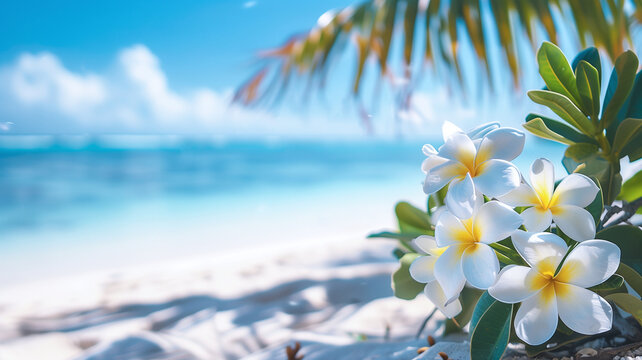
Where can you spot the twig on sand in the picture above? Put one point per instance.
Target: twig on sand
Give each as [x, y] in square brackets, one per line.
[292, 351]
[423, 324]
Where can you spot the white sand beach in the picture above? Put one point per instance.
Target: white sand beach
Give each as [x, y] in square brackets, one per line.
[333, 297]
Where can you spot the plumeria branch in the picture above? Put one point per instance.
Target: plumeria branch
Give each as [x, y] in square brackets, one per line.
[628, 209]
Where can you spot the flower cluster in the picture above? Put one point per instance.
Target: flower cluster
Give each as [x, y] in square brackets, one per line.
[484, 191]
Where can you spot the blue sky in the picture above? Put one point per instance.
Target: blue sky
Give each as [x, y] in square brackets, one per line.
[170, 67]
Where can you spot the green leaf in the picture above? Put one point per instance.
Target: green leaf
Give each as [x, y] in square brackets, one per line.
[626, 132]
[629, 239]
[620, 85]
[633, 150]
[490, 330]
[403, 285]
[628, 303]
[609, 177]
[632, 189]
[581, 152]
[635, 99]
[562, 129]
[557, 72]
[537, 127]
[484, 302]
[564, 108]
[588, 86]
[394, 235]
[614, 282]
[412, 219]
[592, 56]
[631, 277]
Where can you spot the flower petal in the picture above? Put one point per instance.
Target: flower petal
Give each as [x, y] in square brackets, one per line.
[425, 243]
[432, 162]
[575, 189]
[543, 180]
[574, 221]
[497, 177]
[480, 265]
[537, 219]
[461, 197]
[516, 283]
[429, 150]
[590, 263]
[582, 310]
[495, 221]
[481, 130]
[436, 295]
[460, 148]
[422, 269]
[536, 320]
[540, 249]
[449, 230]
[449, 129]
[440, 175]
[523, 195]
[503, 143]
[448, 271]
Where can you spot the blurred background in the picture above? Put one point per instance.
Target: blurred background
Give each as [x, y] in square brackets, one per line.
[121, 142]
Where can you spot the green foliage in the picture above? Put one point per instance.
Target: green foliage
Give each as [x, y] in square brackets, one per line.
[403, 285]
[557, 72]
[629, 239]
[591, 56]
[588, 86]
[490, 328]
[631, 277]
[412, 219]
[628, 303]
[632, 189]
[626, 132]
[595, 144]
[612, 283]
[564, 108]
[619, 88]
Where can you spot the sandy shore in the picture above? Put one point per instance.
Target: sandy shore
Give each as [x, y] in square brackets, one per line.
[330, 296]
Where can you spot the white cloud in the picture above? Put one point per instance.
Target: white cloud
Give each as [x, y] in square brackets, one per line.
[41, 79]
[135, 94]
[143, 70]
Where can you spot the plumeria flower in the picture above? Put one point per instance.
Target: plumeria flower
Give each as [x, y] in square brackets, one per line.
[423, 271]
[473, 164]
[468, 256]
[564, 204]
[545, 296]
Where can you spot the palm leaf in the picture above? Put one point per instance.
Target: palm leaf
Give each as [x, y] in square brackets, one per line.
[370, 28]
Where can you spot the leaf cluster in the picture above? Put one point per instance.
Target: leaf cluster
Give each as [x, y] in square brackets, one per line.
[598, 132]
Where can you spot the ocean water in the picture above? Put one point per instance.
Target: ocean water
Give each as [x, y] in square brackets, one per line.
[70, 204]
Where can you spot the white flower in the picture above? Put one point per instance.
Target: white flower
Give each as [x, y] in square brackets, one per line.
[564, 205]
[468, 256]
[473, 163]
[422, 270]
[545, 295]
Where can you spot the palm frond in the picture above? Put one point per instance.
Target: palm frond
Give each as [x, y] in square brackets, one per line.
[447, 26]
